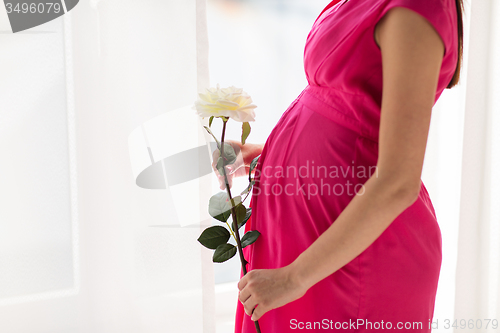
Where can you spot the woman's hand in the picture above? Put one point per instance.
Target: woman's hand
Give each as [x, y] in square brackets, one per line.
[269, 289]
[236, 169]
[244, 156]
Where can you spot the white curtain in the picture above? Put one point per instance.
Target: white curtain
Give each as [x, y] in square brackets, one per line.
[478, 264]
[82, 247]
[461, 171]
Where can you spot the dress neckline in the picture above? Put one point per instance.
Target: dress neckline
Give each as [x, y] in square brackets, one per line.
[333, 3]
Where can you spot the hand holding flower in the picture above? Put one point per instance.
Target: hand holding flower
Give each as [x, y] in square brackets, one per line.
[262, 290]
[236, 169]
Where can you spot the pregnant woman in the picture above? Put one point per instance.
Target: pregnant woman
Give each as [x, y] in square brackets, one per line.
[349, 237]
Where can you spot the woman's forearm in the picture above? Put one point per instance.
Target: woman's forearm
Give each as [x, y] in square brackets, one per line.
[252, 150]
[356, 228]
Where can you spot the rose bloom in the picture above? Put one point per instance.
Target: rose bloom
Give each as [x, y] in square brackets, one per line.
[229, 102]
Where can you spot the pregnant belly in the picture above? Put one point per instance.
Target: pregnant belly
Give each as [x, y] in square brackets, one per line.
[311, 168]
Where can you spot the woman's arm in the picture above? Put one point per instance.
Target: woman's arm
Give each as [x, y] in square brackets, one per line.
[412, 54]
[249, 152]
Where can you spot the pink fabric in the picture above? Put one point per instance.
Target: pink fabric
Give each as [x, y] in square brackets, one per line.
[334, 125]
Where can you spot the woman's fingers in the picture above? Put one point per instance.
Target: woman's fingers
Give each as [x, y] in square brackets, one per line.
[258, 312]
[244, 280]
[243, 295]
[249, 305]
[222, 181]
[230, 168]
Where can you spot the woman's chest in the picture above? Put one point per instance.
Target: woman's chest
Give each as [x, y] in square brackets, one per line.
[336, 34]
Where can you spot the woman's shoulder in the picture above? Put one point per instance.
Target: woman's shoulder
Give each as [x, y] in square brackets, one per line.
[428, 8]
[441, 14]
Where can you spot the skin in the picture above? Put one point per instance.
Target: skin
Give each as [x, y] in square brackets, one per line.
[244, 156]
[412, 53]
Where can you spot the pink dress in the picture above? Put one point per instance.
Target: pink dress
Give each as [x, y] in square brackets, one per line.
[304, 181]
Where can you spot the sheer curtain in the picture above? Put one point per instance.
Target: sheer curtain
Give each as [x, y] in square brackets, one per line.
[478, 264]
[462, 168]
[78, 252]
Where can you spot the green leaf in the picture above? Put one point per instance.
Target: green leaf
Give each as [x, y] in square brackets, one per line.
[249, 187]
[210, 121]
[214, 236]
[240, 214]
[254, 163]
[248, 213]
[219, 166]
[219, 206]
[230, 156]
[247, 216]
[252, 166]
[210, 132]
[229, 153]
[237, 200]
[249, 238]
[245, 131]
[224, 252]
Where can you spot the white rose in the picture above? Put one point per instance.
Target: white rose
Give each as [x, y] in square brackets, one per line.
[229, 102]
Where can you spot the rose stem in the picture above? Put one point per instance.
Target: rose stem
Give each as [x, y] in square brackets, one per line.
[233, 212]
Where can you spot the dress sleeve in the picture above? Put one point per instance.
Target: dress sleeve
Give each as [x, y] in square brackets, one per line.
[439, 13]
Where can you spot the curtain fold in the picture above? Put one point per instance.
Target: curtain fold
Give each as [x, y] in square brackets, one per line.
[478, 261]
[104, 69]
